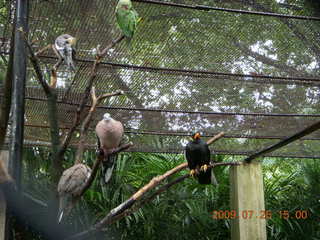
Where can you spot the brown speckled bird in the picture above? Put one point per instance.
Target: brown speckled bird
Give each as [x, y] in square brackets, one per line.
[109, 134]
[70, 184]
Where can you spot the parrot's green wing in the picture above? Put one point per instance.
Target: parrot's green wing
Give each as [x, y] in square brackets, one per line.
[133, 21]
[127, 21]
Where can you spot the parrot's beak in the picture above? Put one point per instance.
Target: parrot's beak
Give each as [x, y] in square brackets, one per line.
[72, 41]
[196, 136]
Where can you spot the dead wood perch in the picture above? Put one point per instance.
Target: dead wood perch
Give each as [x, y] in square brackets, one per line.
[164, 188]
[215, 138]
[118, 211]
[97, 164]
[86, 123]
[84, 99]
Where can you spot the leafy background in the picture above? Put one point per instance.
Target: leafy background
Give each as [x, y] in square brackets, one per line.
[185, 210]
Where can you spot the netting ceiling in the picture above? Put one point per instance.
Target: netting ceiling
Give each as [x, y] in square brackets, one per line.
[255, 77]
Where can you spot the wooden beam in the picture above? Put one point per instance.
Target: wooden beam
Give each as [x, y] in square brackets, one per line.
[247, 200]
[4, 156]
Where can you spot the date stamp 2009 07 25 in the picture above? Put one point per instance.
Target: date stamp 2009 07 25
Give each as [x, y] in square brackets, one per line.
[263, 214]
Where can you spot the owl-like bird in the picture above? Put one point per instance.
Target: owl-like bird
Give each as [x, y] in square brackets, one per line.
[64, 45]
[109, 135]
[127, 18]
[70, 185]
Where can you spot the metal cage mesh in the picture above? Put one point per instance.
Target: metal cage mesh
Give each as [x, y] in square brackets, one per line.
[253, 76]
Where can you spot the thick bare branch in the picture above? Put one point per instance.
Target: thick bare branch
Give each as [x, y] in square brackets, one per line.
[97, 164]
[86, 94]
[164, 188]
[120, 148]
[86, 123]
[83, 102]
[121, 211]
[111, 45]
[43, 49]
[35, 63]
[215, 138]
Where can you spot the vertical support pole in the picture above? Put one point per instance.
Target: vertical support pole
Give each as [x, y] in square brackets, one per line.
[17, 102]
[19, 79]
[4, 156]
[247, 199]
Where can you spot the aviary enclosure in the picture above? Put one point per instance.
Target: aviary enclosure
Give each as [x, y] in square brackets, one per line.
[244, 74]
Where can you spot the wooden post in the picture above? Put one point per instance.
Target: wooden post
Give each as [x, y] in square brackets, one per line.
[247, 199]
[4, 156]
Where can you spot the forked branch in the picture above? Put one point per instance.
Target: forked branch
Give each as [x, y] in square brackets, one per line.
[84, 100]
[120, 211]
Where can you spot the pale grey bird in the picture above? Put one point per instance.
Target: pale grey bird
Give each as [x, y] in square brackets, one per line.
[70, 185]
[65, 47]
[109, 134]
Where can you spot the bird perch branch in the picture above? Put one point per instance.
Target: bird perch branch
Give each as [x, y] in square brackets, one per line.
[86, 123]
[123, 209]
[120, 209]
[84, 100]
[164, 188]
[97, 164]
[35, 63]
[215, 138]
[104, 52]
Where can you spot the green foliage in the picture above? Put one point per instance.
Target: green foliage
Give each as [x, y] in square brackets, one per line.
[292, 185]
[185, 210]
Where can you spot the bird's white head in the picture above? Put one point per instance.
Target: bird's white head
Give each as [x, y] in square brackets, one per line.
[107, 117]
[125, 3]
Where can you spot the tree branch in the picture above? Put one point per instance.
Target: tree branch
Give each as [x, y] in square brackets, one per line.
[164, 188]
[111, 45]
[121, 211]
[215, 138]
[97, 163]
[118, 211]
[86, 123]
[36, 66]
[86, 94]
[51, 94]
[80, 108]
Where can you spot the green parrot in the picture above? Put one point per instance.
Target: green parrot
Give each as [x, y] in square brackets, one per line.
[127, 18]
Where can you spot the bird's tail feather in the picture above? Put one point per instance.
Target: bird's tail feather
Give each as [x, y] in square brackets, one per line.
[70, 63]
[214, 179]
[205, 177]
[108, 166]
[63, 203]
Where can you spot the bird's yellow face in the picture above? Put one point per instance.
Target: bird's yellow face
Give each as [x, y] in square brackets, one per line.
[72, 41]
[196, 136]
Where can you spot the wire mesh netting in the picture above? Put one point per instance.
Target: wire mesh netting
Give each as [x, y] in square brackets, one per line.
[253, 76]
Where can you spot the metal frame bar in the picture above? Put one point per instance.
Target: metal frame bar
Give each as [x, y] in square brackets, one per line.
[284, 142]
[18, 100]
[188, 112]
[189, 71]
[184, 134]
[209, 8]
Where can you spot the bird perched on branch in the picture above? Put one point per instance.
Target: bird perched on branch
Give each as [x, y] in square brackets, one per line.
[70, 185]
[109, 135]
[197, 154]
[127, 18]
[64, 44]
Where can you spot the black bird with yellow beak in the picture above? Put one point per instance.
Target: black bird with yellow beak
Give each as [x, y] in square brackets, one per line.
[197, 154]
